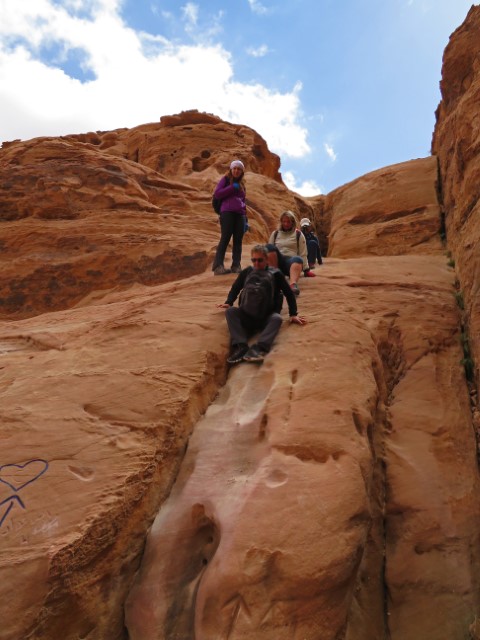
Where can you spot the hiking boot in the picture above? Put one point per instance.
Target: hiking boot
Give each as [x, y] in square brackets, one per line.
[237, 354]
[236, 269]
[295, 289]
[254, 354]
[221, 271]
[309, 274]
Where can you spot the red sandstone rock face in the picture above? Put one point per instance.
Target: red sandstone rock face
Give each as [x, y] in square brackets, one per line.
[192, 145]
[391, 211]
[84, 213]
[291, 487]
[456, 142]
[330, 493]
[298, 505]
[75, 220]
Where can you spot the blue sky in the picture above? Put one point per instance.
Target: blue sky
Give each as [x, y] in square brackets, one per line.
[337, 88]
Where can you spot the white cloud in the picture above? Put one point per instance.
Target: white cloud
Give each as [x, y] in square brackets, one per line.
[190, 16]
[271, 114]
[307, 188]
[190, 13]
[258, 52]
[330, 151]
[136, 77]
[258, 7]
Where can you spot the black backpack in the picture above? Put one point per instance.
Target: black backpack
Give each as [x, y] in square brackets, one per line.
[216, 202]
[257, 296]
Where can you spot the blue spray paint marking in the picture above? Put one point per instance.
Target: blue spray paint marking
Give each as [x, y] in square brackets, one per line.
[35, 473]
[19, 475]
[12, 502]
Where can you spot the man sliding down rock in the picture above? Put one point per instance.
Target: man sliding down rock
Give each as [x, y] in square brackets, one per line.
[260, 289]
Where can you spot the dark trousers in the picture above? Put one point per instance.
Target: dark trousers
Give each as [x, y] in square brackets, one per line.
[231, 224]
[313, 252]
[242, 327]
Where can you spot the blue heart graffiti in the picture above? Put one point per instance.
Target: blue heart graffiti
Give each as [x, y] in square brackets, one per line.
[17, 476]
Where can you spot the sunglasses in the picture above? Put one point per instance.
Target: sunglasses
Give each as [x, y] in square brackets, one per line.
[258, 259]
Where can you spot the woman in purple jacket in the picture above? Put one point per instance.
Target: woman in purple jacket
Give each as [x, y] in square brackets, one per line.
[231, 191]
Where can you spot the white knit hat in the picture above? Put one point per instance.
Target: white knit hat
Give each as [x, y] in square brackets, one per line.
[305, 222]
[237, 163]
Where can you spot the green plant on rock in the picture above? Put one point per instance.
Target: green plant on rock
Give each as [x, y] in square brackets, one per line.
[469, 367]
[467, 360]
[459, 300]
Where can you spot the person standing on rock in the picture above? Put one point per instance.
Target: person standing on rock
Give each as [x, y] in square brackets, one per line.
[259, 288]
[231, 191]
[313, 245]
[288, 250]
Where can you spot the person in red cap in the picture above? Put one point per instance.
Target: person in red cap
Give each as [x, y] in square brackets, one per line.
[313, 246]
[231, 191]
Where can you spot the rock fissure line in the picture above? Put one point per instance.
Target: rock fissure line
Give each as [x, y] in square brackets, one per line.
[390, 353]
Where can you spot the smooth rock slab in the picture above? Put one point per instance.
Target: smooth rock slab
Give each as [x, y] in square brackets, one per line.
[286, 519]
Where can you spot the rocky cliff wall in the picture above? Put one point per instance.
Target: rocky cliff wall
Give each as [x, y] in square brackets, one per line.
[456, 142]
[392, 211]
[90, 212]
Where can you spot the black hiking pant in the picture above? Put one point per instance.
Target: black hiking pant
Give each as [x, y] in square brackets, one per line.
[232, 223]
[242, 327]
[313, 251]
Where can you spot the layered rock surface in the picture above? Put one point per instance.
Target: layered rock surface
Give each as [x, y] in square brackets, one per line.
[147, 492]
[391, 211]
[343, 467]
[342, 470]
[456, 142]
[86, 213]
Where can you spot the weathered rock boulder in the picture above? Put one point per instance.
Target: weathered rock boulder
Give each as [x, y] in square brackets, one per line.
[391, 211]
[77, 215]
[456, 142]
[75, 220]
[190, 144]
[197, 148]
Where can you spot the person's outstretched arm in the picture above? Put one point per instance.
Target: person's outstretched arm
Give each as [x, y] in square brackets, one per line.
[234, 292]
